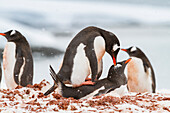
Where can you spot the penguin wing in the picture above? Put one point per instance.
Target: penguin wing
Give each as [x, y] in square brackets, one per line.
[18, 64]
[146, 66]
[100, 69]
[104, 91]
[91, 55]
[153, 81]
[148, 69]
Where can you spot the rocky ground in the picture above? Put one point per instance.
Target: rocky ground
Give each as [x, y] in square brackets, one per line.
[31, 99]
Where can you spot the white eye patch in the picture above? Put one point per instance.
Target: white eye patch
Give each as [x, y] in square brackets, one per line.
[115, 47]
[133, 49]
[13, 32]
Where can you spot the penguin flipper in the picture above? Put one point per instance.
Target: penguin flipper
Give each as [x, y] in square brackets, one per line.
[153, 81]
[148, 66]
[107, 90]
[100, 70]
[104, 91]
[90, 53]
[22, 69]
[18, 65]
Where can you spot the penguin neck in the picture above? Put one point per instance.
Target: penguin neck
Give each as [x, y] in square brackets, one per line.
[110, 41]
[21, 40]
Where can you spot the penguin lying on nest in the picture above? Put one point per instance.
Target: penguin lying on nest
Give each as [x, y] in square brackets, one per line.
[115, 79]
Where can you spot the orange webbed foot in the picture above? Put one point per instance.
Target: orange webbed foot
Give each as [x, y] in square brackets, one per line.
[85, 83]
[88, 83]
[88, 79]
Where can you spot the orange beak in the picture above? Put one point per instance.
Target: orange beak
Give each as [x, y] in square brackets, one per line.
[128, 60]
[2, 34]
[114, 61]
[124, 50]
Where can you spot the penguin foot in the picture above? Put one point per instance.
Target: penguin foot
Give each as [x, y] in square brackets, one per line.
[88, 79]
[88, 83]
[85, 83]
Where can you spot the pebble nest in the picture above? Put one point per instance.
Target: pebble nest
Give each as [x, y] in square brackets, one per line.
[30, 99]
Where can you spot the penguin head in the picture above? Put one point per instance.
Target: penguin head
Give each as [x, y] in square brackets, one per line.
[112, 46]
[134, 52]
[117, 71]
[12, 35]
[115, 47]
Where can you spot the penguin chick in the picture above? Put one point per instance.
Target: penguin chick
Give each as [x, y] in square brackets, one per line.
[141, 77]
[17, 60]
[115, 79]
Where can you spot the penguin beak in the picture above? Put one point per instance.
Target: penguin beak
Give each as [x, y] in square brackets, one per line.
[114, 60]
[2, 34]
[114, 56]
[128, 60]
[124, 50]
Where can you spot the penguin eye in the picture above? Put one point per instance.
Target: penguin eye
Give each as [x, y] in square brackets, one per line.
[13, 32]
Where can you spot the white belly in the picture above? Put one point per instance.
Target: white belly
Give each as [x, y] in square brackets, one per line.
[81, 66]
[138, 80]
[9, 64]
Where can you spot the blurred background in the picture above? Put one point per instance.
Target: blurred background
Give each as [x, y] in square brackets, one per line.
[49, 26]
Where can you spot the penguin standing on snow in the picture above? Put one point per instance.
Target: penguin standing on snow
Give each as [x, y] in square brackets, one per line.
[115, 79]
[84, 54]
[17, 60]
[141, 77]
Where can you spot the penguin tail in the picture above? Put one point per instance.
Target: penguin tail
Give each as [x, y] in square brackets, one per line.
[56, 79]
[50, 90]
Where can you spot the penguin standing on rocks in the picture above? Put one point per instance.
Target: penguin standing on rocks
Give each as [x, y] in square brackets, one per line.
[84, 54]
[141, 77]
[115, 80]
[17, 60]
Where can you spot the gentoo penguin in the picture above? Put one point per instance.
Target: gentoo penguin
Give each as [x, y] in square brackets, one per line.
[17, 60]
[115, 79]
[84, 54]
[141, 77]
